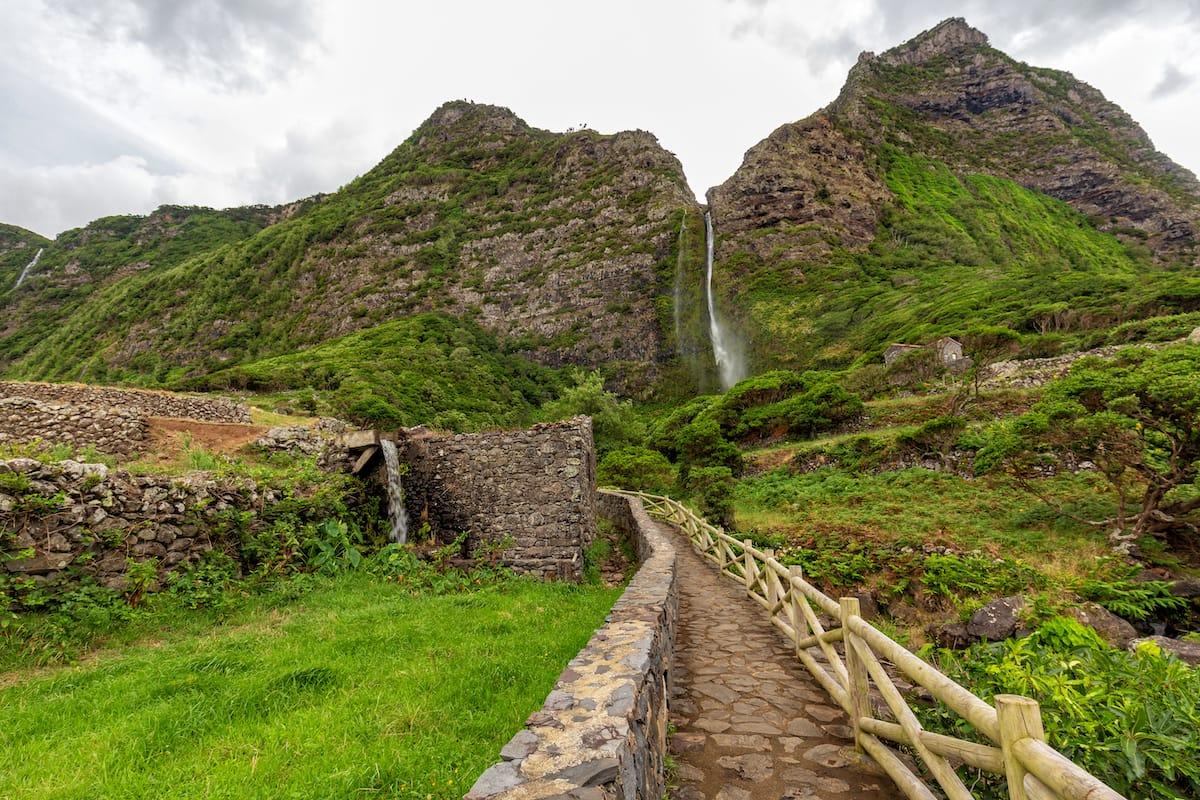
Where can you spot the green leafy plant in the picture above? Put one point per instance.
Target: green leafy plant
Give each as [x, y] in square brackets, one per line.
[333, 547]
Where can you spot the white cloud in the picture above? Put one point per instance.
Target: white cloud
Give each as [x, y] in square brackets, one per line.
[113, 106]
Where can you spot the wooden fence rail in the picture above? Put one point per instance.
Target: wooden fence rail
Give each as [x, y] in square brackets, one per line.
[815, 622]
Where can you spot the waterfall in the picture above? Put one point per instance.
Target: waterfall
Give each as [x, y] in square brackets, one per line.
[395, 492]
[29, 266]
[680, 277]
[726, 348]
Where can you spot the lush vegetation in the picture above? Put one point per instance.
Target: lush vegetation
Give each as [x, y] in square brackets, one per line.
[425, 369]
[390, 679]
[952, 253]
[1135, 419]
[1131, 719]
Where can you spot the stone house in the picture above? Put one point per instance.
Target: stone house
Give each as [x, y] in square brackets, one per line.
[949, 352]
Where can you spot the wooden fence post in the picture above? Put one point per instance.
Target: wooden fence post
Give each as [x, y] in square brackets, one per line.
[1019, 718]
[799, 621]
[858, 688]
[751, 567]
[771, 591]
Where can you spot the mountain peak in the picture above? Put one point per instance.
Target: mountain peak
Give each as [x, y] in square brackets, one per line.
[946, 37]
[480, 117]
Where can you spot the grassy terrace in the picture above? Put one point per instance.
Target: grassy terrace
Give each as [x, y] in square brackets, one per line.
[346, 687]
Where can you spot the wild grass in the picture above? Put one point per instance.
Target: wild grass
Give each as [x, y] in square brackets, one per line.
[871, 522]
[360, 688]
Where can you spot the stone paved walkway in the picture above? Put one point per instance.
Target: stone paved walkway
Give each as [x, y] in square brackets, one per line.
[751, 723]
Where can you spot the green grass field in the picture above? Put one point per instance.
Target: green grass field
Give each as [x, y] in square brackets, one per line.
[358, 689]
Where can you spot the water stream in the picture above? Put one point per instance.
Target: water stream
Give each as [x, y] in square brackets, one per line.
[29, 266]
[726, 348]
[395, 493]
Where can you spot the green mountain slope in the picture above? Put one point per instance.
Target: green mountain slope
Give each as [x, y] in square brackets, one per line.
[427, 368]
[559, 242]
[950, 186]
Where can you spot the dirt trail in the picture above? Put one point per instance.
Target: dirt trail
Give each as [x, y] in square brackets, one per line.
[170, 439]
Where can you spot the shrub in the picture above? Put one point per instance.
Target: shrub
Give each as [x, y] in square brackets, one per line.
[1128, 718]
[637, 468]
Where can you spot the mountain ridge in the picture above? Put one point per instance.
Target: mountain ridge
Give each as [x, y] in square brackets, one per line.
[946, 185]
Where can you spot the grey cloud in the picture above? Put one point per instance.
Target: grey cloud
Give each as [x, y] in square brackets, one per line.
[240, 44]
[44, 125]
[1043, 27]
[1173, 81]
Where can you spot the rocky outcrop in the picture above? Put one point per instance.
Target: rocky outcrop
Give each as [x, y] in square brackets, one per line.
[144, 402]
[807, 188]
[985, 112]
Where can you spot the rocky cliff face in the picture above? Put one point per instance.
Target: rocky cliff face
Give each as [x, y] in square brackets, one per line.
[945, 152]
[559, 242]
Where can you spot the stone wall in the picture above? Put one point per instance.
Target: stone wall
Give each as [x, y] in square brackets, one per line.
[115, 431]
[602, 732]
[537, 486]
[89, 519]
[149, 403]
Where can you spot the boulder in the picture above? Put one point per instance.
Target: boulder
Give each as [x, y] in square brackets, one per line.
[1188, 652]
[952, 635]
[997, 620]
[1114, 630]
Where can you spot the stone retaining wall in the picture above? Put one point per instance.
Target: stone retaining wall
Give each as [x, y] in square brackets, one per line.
[115, 431]
[149, 403]
[602, 733]
[90, 519]
[537, 486]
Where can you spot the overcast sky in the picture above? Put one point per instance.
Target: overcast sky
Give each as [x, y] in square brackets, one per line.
[118, 106]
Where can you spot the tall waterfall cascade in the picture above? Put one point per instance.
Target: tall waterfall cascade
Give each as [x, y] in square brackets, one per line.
[29, 266]
[726, 349]
[395, 492]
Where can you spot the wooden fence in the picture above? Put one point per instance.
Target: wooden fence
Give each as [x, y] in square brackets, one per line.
[1018, 751]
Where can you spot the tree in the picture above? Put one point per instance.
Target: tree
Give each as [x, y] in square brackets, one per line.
[615, 422]
[1136, 418]
[986, 344]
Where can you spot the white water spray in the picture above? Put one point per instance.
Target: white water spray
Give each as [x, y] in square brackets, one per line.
[395, 493]
[29, 266]
[726, 348]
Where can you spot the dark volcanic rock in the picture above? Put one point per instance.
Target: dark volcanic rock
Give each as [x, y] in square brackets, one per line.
[1184, 651]
[997, 620]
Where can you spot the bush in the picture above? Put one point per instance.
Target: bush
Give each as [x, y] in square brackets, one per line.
[1130, 719]
[637, 468]
[713, 489]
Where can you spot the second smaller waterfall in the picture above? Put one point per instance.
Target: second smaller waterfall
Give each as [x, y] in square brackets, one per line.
[395, 492]
[29, 266]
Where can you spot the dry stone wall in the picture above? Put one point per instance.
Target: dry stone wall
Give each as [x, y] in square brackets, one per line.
[602, 733]
[536, 486]
[116, 431]
[149, 403]
[69, 517]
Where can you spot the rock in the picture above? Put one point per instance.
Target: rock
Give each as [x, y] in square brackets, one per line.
[1114, 630]
[1185, 651]
[1186, 587]
[952, 635]
[997, 620]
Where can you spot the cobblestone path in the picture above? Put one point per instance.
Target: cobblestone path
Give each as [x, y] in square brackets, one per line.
[751, 723]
